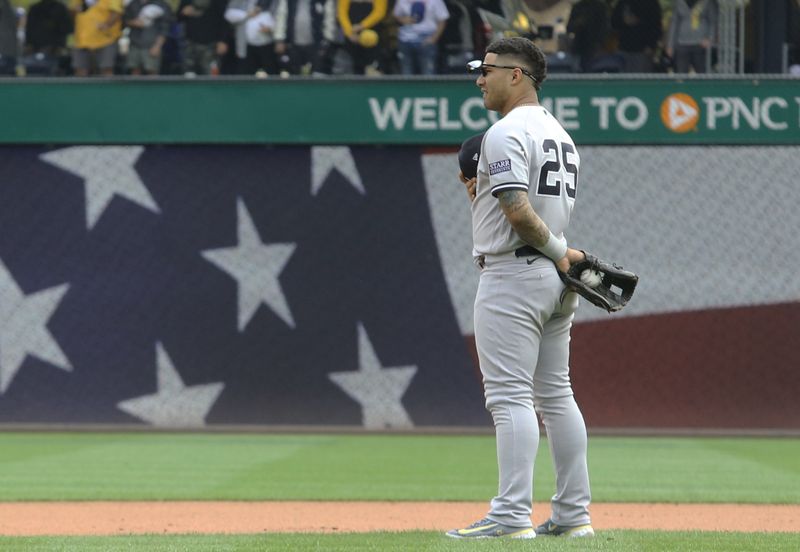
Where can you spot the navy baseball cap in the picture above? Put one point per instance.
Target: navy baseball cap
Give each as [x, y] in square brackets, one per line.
[468, 155]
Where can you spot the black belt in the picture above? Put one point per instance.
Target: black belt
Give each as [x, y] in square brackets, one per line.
[527, 251]
[524, 251]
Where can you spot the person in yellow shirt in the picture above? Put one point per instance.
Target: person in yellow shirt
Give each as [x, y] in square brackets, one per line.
[98, 26]
[355, 16]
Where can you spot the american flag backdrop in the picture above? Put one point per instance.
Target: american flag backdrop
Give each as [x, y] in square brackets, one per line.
[186, 286]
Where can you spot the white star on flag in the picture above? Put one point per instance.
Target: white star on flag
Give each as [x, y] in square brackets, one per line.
[256, 268]
[174, 404]
[23, 327]
[325, 159]
[378, 390]
[107, 171]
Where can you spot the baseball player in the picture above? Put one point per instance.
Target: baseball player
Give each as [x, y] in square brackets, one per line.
[527, 179]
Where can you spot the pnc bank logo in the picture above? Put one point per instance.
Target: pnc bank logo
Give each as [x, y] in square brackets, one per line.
[680, 113]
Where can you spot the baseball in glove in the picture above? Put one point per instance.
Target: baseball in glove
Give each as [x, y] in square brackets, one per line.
[604, 284]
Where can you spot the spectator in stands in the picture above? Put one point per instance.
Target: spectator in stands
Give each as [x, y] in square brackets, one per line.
[691, 34]
[550, 19]
[304, 33]
[8, 38]
[259, 30]
[794, 39]
[589, 27]
[255, 47]
[354, 17]
[46, 30]
[98, 26]
[421, 25]
[637, 24]
[459, 40]
[205, 30]
[149, 22]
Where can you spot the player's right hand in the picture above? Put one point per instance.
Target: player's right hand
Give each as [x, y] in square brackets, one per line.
[470, 183]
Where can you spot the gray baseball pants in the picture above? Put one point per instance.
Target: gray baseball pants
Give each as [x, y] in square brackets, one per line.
[522, 331]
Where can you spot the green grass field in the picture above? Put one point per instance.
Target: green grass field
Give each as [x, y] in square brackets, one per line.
[617, 541]
[164, 466]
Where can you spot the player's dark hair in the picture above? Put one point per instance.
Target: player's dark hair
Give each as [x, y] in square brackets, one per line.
[524, 51]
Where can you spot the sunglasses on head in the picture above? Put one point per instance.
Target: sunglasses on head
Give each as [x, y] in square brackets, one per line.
[478, 65]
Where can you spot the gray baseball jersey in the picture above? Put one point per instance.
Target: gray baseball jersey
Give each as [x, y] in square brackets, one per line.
[523, 317]
[525, 150]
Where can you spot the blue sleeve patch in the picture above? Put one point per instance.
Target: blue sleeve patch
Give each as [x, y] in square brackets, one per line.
[500, 167]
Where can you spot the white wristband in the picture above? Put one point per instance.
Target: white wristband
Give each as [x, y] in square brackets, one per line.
[555, 248]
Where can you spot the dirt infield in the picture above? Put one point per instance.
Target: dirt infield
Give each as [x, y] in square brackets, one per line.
[114, 518]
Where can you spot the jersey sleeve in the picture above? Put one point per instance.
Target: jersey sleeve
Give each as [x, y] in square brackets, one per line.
[507, 161]
[376, 15]
[343, 15]
[440, 11]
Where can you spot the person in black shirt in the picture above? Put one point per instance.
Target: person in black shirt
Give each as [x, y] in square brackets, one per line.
[638, 27]
[47, 27]
[206, 31]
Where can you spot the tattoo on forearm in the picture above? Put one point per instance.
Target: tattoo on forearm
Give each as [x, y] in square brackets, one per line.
[512, 201]
[523, 218]
[536, 235]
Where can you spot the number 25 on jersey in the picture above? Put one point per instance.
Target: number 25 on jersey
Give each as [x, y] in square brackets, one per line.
[559, 170]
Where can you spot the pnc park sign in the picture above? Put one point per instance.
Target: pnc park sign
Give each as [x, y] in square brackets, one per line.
[384, 111]
[609, 112]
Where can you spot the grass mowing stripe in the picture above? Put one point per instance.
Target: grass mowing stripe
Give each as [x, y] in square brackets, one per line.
[164, 466]
[617, 541]
[750, 470]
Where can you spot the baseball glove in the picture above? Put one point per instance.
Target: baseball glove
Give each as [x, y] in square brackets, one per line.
[604, 284]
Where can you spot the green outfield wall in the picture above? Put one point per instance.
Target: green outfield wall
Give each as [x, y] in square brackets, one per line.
[417, 111]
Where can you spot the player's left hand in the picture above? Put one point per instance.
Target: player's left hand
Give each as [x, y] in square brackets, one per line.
[604, 284]
[573, 256]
